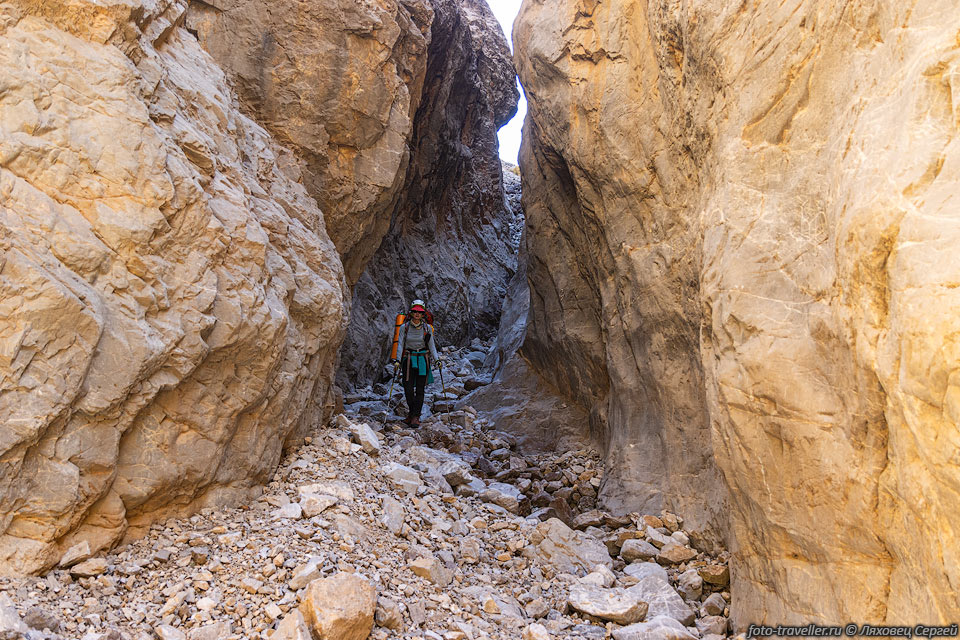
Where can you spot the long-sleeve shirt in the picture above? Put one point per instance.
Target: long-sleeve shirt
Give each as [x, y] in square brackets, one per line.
[413, 338]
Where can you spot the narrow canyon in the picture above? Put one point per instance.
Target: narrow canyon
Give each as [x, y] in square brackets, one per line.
[696, 350]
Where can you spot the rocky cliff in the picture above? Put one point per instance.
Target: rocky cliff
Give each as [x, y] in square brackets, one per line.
[392, 110]
[740, 239]
[171, 303]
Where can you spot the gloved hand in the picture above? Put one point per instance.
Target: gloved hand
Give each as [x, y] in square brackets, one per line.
[440, 362]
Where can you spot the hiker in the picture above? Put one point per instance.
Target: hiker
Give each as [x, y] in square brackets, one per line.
[418, 352]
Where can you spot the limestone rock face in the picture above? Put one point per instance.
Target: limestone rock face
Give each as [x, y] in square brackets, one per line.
[612, 263]
[453, 236]
[338, 82]
[742, 249]
[170, 302]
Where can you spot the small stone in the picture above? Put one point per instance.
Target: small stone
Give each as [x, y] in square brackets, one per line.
[587, 632]
[199, 555]
[715, 574]
[670, 521]
[641, 570]
[713, 605]
[658, 539]
[393, 514]
[616, 605]
[342, 607]
[250, 585]
[674, 553]
[273, 611]
[404, 477]
[206, 604]
[291, 511]
[657, 628]
[535, 631]
[432, 569]
[366, 437]
[690, 585]
[536, 609]
[77, 553]
[716, 625]
[39, 618]
[470, 550]
[680, 537]
[89, 568]
[167, 632]
[418, 613]
[592, 518]
[292, 627]
[305, 574]
[214, 631]
[567, 550]
[455, 472]
[10, 621]
[388, 614]
[635, 549]
[490, 606]
[313, 504]
[503, 495]
[601, 576]
[337, 489]
[662, 600]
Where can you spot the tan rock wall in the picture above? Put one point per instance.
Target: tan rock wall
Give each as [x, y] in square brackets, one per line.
[170, 303]
[756, 206]
[338, 82]
[613, 255]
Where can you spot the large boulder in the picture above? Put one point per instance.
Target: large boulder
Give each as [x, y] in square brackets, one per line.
[171, 303]
[558, 546]
[341, 607]
[742, 260]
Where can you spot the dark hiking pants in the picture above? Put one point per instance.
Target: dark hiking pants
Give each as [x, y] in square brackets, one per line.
[414, 387]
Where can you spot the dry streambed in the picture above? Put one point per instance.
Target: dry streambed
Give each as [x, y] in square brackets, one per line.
[444, 533]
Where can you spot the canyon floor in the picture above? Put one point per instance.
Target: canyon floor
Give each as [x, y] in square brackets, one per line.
[444, 532]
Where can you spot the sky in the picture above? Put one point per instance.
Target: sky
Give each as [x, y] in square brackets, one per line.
[506, 11]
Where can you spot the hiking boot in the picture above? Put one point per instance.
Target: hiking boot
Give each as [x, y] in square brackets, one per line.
[415, 422]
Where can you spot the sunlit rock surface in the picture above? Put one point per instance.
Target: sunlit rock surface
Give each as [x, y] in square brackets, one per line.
[170, 303]
[742, 249]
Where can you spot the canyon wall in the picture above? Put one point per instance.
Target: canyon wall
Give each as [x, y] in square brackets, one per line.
[338, 82]
[451, 237]
[392, 110]
[170, 303]
[613, 254]
[740, 230]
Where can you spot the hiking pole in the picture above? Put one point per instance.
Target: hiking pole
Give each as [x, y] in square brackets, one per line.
[442, 383]
[393, 378]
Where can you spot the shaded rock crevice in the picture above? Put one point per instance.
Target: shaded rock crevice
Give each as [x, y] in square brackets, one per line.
[451, 235]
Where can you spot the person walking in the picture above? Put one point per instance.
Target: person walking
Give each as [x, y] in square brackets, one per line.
[418, 350]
